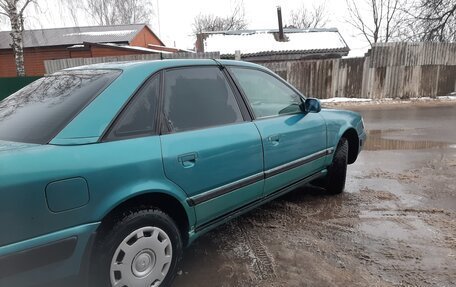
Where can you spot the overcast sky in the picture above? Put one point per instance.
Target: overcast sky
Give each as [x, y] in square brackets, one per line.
[176, 18]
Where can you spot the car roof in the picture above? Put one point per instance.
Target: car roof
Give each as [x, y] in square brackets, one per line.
[163, 64]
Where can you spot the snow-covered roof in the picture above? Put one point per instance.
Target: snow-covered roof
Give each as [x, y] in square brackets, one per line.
[263, 42]
[134, 48]
[75, 35]
[103, 33]
[124, 47]
[169, 49]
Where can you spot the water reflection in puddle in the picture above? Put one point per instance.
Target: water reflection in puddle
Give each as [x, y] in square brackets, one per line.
[377, 140]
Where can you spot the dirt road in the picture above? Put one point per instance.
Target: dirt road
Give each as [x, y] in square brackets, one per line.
[394, 226]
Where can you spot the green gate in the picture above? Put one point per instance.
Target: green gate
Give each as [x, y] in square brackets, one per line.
[11, 85]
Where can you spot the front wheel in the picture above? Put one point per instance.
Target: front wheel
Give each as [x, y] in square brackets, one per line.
[143, 248]
[334, 182]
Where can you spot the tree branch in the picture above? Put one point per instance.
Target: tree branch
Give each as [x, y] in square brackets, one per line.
[27, 2]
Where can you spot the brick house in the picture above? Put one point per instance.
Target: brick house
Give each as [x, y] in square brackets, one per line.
[78, 42]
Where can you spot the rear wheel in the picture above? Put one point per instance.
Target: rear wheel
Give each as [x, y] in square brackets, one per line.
[143, 248]
[334, 181]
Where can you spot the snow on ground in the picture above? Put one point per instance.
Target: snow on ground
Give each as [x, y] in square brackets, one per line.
[348, 101]
[451, 97]
[344, 100]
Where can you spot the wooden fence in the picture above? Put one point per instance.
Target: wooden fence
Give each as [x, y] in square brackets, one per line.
[393, 70]
[397, 70]
[53, 66]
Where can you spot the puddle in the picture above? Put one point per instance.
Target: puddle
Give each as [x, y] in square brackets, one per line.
[378, 140]
[390, 228]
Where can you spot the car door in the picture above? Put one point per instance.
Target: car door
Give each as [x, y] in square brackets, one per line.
[208, 147]
[294, 142]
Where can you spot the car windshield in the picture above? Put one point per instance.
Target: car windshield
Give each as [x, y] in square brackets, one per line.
[36, 113]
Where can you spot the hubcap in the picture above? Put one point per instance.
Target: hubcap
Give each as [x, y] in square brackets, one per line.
[143, 258]
[143, 263]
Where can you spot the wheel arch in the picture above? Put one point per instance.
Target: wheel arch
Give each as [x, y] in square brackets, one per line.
[353, 144]
[163, 200]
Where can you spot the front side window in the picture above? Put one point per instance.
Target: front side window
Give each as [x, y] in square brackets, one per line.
[197, 98]
[268, 96]
[40, 110]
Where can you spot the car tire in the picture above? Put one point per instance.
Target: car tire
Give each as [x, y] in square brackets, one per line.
[334, 181]
[141, 248]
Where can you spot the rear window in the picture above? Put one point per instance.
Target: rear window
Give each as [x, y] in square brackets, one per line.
[36, 113]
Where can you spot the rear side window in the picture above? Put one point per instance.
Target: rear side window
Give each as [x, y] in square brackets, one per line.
[138, 118]
[198, 98]
[36, 113]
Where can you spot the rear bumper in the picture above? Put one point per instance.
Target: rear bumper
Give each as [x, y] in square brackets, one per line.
[46, 259]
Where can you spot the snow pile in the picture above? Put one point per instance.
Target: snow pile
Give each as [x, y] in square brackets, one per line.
[345, 100]
[359, 101]
[451, 97]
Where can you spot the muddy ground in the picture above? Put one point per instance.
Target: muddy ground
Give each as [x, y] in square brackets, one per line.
[395, 225]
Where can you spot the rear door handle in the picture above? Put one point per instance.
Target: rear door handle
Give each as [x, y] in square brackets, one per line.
[274, 139]
[188, 160]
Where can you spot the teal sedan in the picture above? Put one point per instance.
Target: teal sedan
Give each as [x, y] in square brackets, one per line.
[108, 171]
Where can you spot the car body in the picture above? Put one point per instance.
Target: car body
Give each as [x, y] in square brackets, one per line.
[201, 160]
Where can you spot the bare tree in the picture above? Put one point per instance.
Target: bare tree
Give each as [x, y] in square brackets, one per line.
[304, 18]
[102, 11]
[384, 21]
[112, 12]
[436, 20]
[134, 11]
[71, 7]
[14, 11]
[208, 22]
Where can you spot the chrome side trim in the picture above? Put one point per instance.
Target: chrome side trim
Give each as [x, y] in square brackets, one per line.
[213, 193]
[258, 202]
[222, 190]
[296, 163]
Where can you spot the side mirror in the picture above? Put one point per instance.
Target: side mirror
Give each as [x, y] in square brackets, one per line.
[312, 106]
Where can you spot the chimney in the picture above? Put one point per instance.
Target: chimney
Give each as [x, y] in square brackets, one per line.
[199, 45]
[279, 16]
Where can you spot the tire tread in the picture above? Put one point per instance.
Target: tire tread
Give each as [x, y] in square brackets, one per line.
[337, 171]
